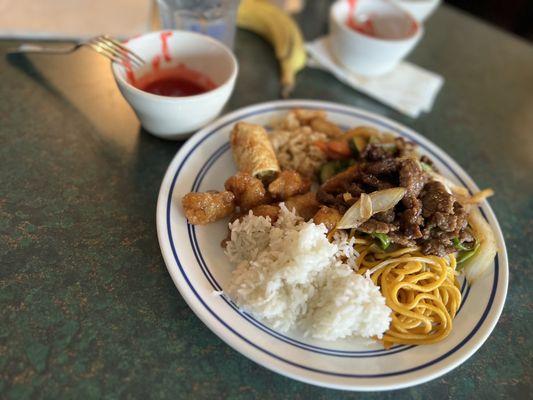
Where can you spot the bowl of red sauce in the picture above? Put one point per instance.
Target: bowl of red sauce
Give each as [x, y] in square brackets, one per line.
[185, 83]
[370, 37]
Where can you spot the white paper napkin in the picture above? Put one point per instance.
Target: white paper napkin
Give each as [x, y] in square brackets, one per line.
[408, 88]
[73, 19]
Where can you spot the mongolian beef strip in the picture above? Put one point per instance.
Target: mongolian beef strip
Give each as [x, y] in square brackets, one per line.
[427, 216]
[445, 219]
[333, 191]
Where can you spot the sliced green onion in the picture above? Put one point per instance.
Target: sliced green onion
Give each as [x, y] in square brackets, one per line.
[459, 246]
[383, 239]
[465, 255]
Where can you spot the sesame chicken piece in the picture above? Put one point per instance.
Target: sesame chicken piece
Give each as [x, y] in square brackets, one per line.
[288, 183]
[204, 208]
[249, 191]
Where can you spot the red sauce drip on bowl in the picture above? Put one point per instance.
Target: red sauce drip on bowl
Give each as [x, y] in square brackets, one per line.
[365, 27]
[164, 45]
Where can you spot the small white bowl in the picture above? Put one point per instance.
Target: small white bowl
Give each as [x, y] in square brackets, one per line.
[177, 117]
[371, 55]
[420, 9]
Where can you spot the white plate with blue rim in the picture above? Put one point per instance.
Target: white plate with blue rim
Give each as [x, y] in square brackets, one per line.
[200, 270]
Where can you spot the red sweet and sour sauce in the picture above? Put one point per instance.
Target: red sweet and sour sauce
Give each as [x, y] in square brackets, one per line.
[172, 81]
[177, 81]
[174, 87]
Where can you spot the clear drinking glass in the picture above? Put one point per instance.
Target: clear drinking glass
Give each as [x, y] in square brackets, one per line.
[215, 18]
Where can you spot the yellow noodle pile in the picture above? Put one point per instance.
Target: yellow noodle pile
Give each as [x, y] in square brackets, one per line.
[422, 291]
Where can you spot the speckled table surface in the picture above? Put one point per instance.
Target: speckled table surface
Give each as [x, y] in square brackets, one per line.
[87, 308]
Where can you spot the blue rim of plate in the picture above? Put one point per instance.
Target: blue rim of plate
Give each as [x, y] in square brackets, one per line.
[352, 113]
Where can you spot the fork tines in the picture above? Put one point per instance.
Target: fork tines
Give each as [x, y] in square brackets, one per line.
[115, 51]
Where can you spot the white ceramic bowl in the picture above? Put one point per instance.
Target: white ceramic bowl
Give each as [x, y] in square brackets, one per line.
[177, 117]
[420, 9]
[371, 55]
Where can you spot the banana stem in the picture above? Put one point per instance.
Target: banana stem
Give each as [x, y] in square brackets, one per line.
[286, 90]
[287, 79]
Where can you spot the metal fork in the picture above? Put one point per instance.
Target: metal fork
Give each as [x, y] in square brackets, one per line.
[104, 45]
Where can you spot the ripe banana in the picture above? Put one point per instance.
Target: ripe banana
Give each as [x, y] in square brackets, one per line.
[277, 27]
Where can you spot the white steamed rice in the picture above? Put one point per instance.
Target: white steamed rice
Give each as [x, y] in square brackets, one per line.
[289, 275]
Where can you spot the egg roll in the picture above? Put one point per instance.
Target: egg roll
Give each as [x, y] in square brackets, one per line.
[252, 151]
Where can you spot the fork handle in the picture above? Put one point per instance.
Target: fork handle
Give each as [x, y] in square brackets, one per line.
[35, 48]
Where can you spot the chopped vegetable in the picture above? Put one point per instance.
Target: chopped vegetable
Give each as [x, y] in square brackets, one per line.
[481, 258]
[479, 196]
[465, 255]
[458, 245]
[340, 147]
[374, 140]
[353, 148]
[389, 147]
[321, 145]
[383, 239]
[361, 131]
[426, 167]
[381, 200]
[335, 149]
[328, 170]
[332, 168]
[357, 145]
[366, 206]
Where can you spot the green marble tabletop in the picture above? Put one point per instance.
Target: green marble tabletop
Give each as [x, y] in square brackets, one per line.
[87, 308]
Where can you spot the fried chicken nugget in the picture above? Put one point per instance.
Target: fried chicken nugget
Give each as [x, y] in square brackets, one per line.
[305, 205]
[288, 183]
[327, 216]
[204, 208]
[249, 191]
